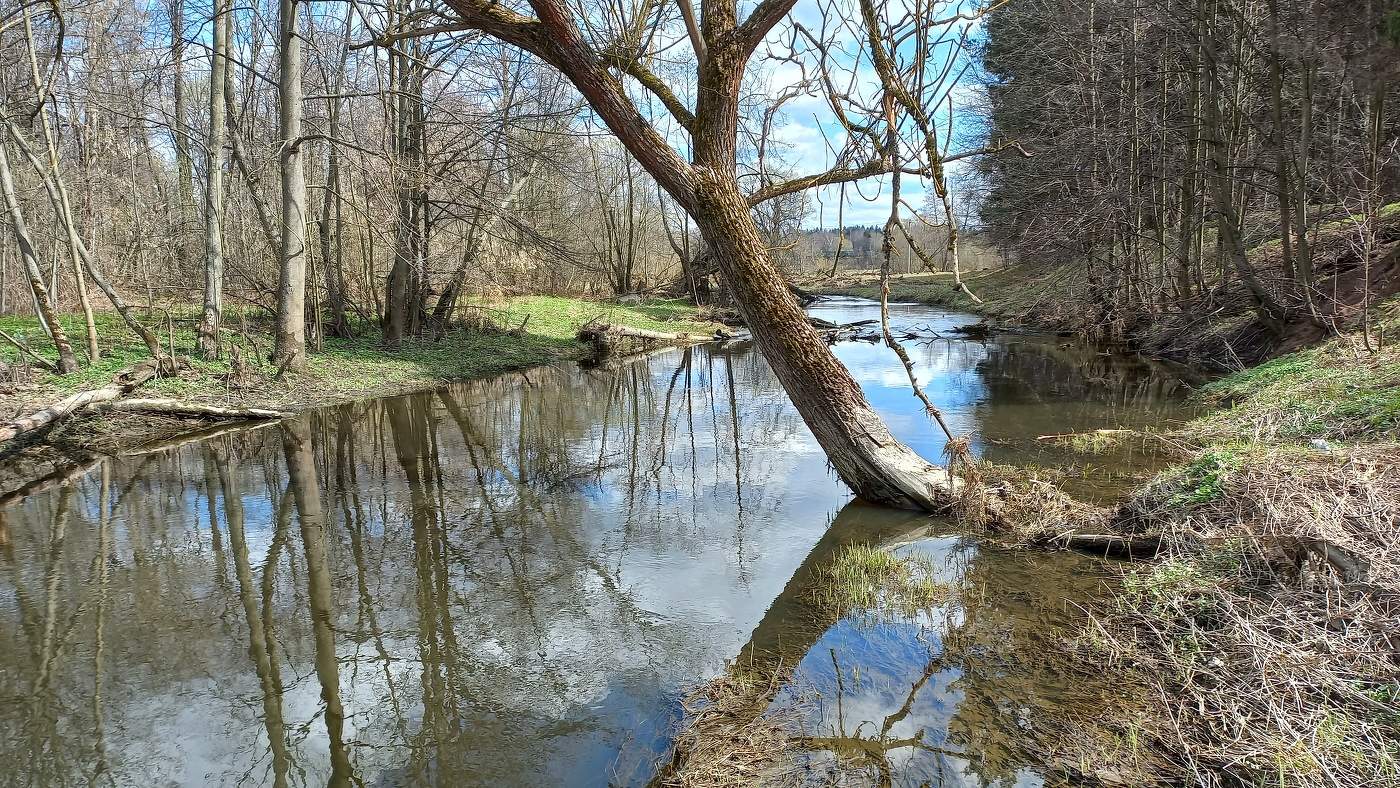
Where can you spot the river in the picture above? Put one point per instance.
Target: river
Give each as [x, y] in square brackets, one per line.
[515, 581]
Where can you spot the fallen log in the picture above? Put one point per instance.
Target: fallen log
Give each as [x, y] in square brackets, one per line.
[605, 337]
[174, 407]
[125, 382]
[1131, 547]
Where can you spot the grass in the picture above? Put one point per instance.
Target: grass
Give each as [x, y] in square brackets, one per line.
[342, 368]
[865, 579]
[1335, 391]
[1017, 293]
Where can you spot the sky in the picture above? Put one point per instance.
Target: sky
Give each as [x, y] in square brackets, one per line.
[811, 133]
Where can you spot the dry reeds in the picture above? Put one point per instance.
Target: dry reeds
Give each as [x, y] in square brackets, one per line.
[728, 739]
[1270, 626]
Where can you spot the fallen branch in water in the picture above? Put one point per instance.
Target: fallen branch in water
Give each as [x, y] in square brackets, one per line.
[1119, 546]
[173, 407]
[125, 382]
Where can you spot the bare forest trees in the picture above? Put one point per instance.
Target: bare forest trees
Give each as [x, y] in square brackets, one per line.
[432, 174]
[603, 50]
[1193, 152]
[459, 149]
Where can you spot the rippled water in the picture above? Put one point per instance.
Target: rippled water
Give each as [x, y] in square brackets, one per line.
[515, 581]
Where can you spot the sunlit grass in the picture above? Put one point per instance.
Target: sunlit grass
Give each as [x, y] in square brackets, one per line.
[342, 368]
[861, 578]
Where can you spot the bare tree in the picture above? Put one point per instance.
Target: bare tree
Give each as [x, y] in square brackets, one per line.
[221, 22]
[290, 351]
[857, 442]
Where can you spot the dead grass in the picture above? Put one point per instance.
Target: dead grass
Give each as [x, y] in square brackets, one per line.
[727, 740]
[1268, 627]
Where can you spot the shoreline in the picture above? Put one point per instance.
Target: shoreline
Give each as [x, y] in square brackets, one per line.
[1261, 620]
[517, 335]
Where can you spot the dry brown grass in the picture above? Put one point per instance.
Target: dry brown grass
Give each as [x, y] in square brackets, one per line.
[1269, 625]
[728, 740]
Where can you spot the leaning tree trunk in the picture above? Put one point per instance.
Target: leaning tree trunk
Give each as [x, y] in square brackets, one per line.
[861, 449]
[43, 302]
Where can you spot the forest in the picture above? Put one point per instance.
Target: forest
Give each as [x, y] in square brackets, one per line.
[700, 393]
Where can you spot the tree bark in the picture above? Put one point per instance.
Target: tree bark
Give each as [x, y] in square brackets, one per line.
[861, 449]
[184, 164]
[290, 351]
[43, 304]
[214, 193]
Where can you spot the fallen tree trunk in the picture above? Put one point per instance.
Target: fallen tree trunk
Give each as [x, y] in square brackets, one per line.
[606, 338]
[125, 382]
[174, 407]
[1117, 545]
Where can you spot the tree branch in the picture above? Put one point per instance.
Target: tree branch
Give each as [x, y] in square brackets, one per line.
[633, 68]
[554, 38]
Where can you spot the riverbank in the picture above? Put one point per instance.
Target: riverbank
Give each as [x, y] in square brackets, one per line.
[1265, 623]
[512, 335]
[1217, 330]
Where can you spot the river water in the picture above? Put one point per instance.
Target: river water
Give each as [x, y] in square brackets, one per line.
[516, 581]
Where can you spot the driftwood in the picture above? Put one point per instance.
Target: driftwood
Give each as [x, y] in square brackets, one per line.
[113, 396]
[1135, 547]
[174, 407]
[125, 382]
[606, 338]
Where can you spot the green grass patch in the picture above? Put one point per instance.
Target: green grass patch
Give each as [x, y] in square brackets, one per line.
[1334, 391]
[865, 579]
[343, 368]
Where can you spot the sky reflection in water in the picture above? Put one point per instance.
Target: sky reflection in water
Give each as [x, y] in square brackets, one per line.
[513, 581]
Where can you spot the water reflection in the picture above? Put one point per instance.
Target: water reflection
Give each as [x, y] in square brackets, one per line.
[511, 581]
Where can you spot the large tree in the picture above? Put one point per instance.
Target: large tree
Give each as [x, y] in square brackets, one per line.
[596, 48]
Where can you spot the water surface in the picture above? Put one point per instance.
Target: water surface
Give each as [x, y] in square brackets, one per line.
[515, 581]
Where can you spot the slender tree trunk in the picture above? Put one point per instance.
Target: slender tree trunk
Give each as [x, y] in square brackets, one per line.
[290, 351]
[329, 224]
[184, 164]
[67, 360]
[214, 193]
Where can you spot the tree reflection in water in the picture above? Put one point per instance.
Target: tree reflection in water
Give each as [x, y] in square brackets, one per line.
[513, 581]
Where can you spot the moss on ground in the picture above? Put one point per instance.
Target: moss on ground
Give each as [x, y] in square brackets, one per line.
[343, 368]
